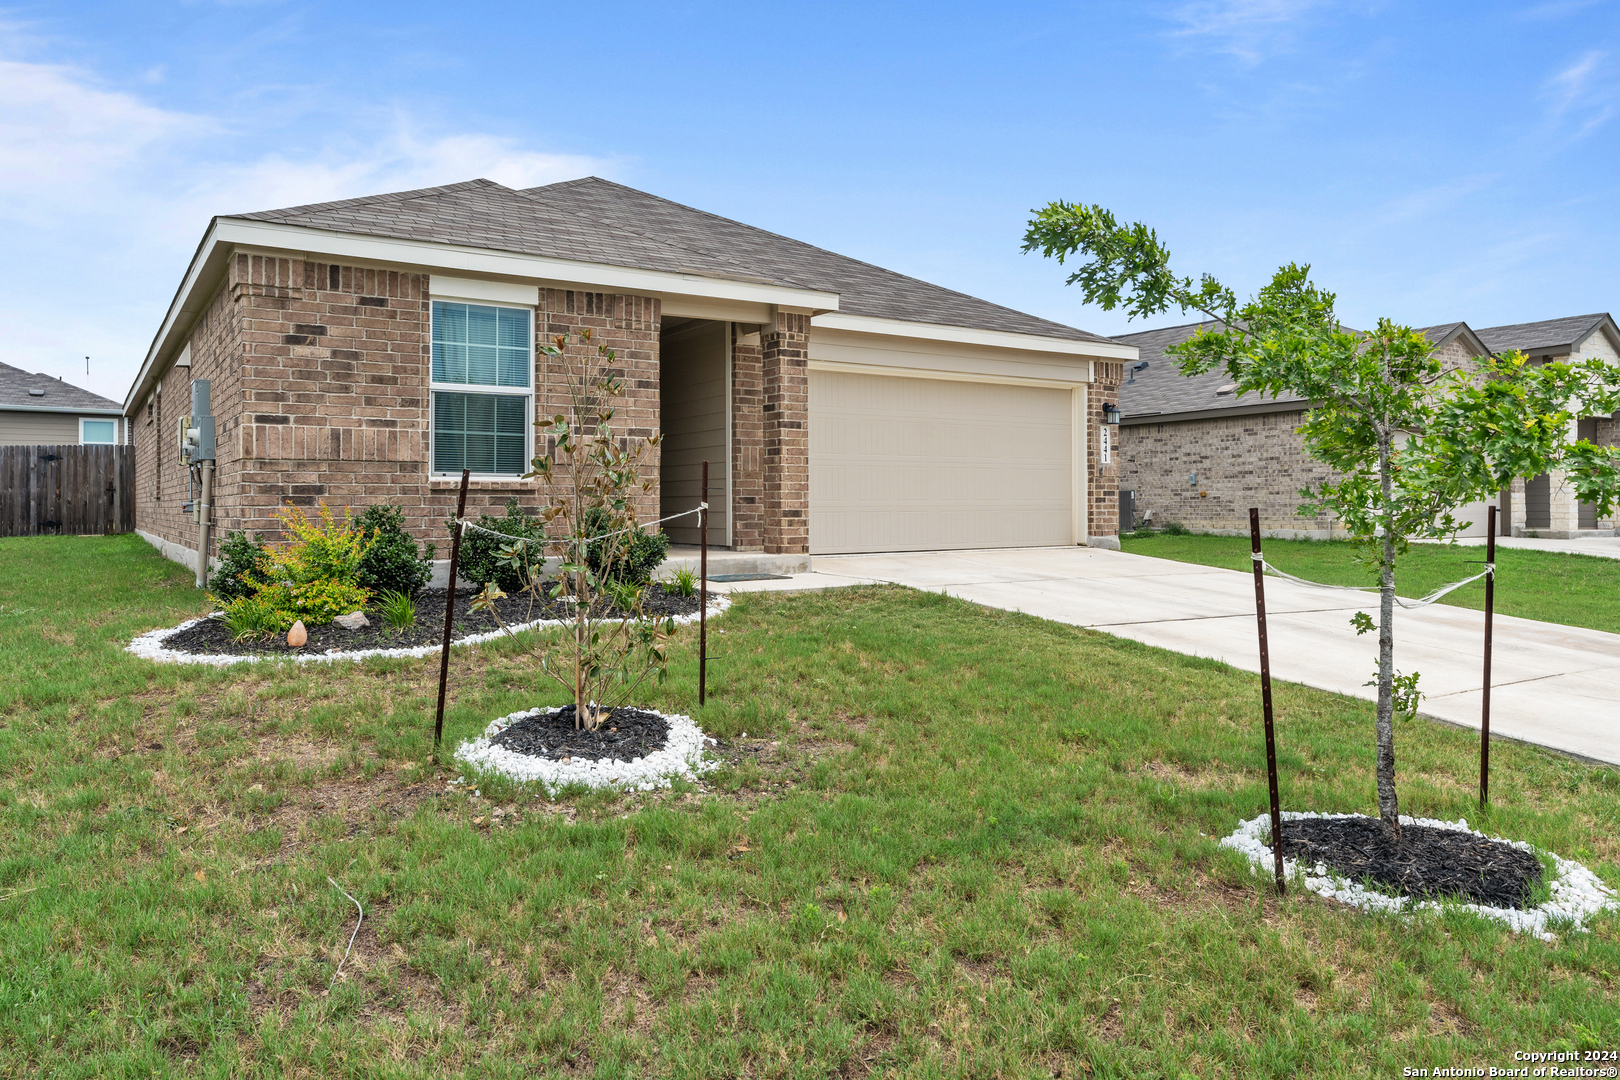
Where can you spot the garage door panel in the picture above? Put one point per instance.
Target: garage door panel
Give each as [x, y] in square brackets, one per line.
[908, 464]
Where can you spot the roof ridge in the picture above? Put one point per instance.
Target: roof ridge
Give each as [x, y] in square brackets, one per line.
[370, 200]
[1162, 329]
[1595, 317]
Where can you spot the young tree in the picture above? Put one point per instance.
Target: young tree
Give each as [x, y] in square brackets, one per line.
[1409, 439]
[611, 645]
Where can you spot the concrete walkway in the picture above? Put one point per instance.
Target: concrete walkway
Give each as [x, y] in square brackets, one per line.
[1556, 686]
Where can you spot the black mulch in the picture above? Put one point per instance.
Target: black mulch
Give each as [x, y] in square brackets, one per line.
[212, 639]
[629, 733]
[1427, 863]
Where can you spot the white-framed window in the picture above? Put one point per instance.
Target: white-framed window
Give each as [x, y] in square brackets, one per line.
[97, 431]
[482, 388]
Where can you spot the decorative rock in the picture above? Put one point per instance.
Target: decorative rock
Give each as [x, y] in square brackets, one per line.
[1576, 892]
[353, 621]
[682, 755]
[297, 637]
[150, 644]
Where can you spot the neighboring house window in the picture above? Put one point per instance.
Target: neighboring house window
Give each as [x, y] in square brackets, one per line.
[483, 361]
[98, 431]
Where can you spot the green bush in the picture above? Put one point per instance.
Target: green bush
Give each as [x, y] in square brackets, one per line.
[647, 550]
[480, 561]
[242, 558]
[252, 616]
[1176, 528]
[391, 563]
[398, 610]
[314, 577]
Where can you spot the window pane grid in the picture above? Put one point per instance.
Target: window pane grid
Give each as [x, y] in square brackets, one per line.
[483, 433]
[482, 346]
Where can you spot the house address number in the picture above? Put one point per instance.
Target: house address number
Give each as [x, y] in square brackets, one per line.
[1105, 445]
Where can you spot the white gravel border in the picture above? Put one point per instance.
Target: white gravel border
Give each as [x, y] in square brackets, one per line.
[1576, 892]
[682, 755]
[150, 644]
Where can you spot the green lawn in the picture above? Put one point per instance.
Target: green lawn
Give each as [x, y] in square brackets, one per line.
[1575, 590]
[956, 842]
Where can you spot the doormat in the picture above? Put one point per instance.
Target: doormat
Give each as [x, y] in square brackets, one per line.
[750, 577]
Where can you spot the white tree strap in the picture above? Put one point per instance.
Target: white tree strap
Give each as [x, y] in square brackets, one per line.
[468, 524]
[1490, 568]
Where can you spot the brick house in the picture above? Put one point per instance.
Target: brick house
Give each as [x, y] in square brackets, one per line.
[37, 410]
[1544, 504]
[1195, 453]
[368, 350]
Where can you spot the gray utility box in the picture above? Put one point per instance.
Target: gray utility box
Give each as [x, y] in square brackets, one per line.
[1127, 509]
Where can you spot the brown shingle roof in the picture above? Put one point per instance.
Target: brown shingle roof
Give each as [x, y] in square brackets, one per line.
[1549, 335]
[597, 221]
[15, 384]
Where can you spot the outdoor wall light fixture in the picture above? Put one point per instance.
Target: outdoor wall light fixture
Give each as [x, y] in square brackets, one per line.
[1110, 413]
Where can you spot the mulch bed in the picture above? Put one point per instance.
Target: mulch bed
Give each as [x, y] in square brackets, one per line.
[210, 638]
[1427, 863]
[628, 734]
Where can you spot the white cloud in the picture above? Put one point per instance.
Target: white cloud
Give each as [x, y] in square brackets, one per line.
[60, 134]
[1430, 201]
[1247, 29]
[1580, 98]
[127, 187]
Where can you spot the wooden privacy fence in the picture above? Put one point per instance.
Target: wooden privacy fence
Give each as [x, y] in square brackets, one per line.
[70, 490]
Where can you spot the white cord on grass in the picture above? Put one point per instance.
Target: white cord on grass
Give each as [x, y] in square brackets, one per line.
[352, 936]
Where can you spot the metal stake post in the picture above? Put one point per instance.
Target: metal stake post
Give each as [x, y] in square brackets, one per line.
[1485, 697]
[449, 611]
[703, 590]
[1265, 698]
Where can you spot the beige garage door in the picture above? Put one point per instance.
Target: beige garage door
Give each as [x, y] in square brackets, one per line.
[905, 464]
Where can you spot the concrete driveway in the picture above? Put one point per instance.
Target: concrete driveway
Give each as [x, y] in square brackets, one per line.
[1553, 685]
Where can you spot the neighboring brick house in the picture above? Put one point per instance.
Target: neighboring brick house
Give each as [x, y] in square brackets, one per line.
[1197, 454]
[366, 351]
[37, 410]
[1545, 505]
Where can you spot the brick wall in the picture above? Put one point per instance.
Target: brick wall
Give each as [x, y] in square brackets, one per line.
[629, 326]
[1239, 461]
[162, 484]
[748, 441]
[321, 389]
[784, 361]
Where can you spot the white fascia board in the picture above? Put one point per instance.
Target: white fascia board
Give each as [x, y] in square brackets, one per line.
[999, 339]
[62, 409]
[225, 234]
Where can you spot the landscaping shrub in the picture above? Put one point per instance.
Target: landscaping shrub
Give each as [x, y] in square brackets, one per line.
[398, 610]
[391, 563]
[683, 582]
[481, 561]
[1176, 528]
[243, 557]
[314, 577]
[633, 567]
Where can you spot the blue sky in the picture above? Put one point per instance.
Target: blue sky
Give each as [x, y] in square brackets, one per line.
[1433, 161]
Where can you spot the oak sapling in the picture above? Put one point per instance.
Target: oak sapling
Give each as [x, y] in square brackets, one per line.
[1410, 439]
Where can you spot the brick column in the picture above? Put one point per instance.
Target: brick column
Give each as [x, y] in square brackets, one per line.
[1102, 513]
[747, 441]
[785, 371]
